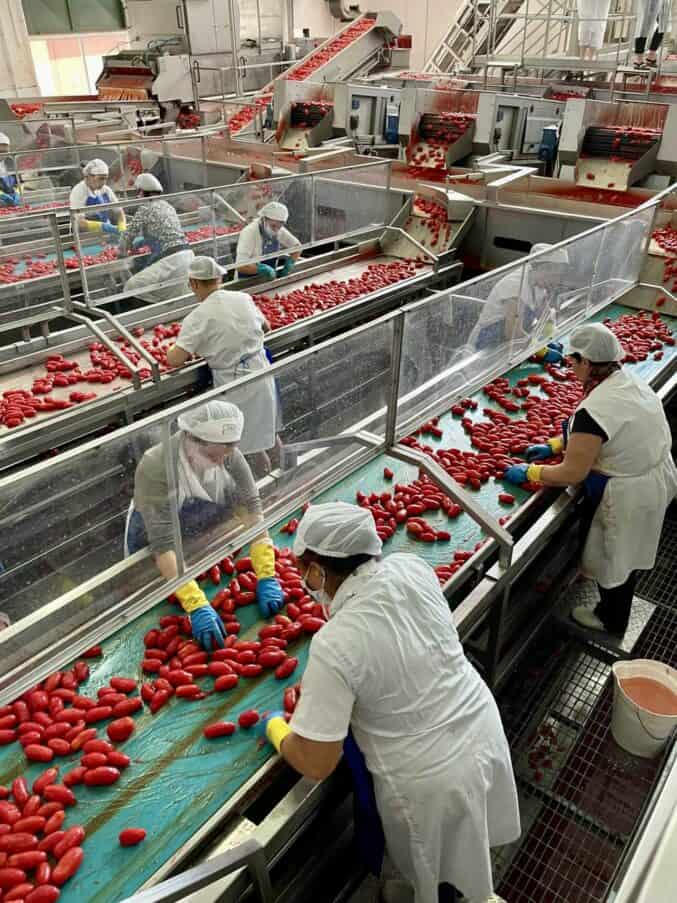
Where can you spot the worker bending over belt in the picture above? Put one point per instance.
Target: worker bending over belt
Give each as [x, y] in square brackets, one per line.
[153, 164]
[618, 444]
[216, 491]
[266, 235]
[9, 190]
[157, 225]
[227, 330]
[93, 191]
[388, 686]
[522, 303]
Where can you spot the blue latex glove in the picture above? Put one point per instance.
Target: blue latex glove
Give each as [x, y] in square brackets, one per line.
[269, 596]
[138, 242]
[287, 266]
[109, 228]
[207, 627]
[538, 453]
[516, 474]
[10, 200]
[553, 353]
[262, 269]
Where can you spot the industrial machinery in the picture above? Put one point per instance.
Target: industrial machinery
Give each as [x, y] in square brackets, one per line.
[354, 405]
[617, 145]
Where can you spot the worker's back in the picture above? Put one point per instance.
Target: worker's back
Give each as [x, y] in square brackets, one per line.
[394, 640]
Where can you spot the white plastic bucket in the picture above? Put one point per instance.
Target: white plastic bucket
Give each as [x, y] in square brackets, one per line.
[637, 730]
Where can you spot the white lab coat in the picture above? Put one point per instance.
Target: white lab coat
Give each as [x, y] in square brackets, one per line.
[389, 663]
[637, 457]
[146, 283]
[250, 242]
[591, 33]
[226, 329]
[652, 15]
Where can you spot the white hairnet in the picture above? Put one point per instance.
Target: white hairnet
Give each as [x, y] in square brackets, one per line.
[205, 268]
[96, 167]
[214, 421]
[275, 210]
[147, 182]
[4, 139]
[559, 256]
[337, 530]
[148, 158]
[596, 343]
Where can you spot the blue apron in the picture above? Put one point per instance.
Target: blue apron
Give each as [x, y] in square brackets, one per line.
[270, 245]
[369, 835]
[8, 185]
[195, 517]
[93, 200]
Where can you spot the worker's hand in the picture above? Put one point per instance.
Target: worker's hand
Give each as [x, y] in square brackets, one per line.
[538, 452]
[552, 353]
[262, 269]
[138, 242]
[207, 628]
[109, 228]
[517, 474]
[276, 728]
[269, 596]
[10, 200]
[287, 266]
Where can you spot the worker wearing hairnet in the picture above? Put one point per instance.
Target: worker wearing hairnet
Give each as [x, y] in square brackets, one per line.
[162, 272]
[592, 19]
[617, 444]
[522, 304]
[266, 236]
[9, 191]
[653, 19]
[388, 685]
[153, 164]
[92, 192]
[215, 490]
[227, 330]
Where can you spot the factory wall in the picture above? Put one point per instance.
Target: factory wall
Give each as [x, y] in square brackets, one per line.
[426, 20]
[17, 73]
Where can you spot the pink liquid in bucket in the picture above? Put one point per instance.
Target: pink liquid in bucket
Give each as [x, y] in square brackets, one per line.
[650, 695]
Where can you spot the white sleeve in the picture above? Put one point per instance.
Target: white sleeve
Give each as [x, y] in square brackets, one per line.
[246, 246]
[287, 240]
[327, 698]
[113, 196]
[78, 195]
[191, 333]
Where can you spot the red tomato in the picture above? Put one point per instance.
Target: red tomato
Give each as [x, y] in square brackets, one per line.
[219, 729]
[97, 777]
[226, 682]
[247, 719]
[67, 866]
[120, 729]
[57, 793]
[129, 837]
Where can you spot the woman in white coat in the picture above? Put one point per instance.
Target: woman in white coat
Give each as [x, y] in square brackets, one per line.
[227, 330]
[653, 19]
[592, 17]
[387, 675]
[618, 445]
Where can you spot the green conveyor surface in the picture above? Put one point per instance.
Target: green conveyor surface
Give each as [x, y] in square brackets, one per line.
[178, 779]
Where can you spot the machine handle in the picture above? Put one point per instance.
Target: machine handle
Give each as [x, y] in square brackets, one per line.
[179, 18]
[196, 71]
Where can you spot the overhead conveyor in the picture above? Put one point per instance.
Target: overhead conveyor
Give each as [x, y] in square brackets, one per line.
[348, 404]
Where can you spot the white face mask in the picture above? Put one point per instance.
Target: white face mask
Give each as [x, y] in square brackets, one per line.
[271, 233]
[320, 595]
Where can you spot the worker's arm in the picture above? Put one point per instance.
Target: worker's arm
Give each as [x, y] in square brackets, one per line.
[247, 269]
[177, 357]
[312, 758]
[579, 459]
[246, 249]
[290, 244]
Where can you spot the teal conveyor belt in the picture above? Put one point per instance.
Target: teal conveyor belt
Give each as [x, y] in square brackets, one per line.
[177, 778]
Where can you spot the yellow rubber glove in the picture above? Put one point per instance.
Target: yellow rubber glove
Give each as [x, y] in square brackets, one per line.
[276, 730]
[534, 472]
[263, 558]
[556, 444]
[91, 225]
[191, 597]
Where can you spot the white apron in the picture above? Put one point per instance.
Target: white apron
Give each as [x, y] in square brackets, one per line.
[258, 403]
[591, 33]
[148, 283]
[637, 459]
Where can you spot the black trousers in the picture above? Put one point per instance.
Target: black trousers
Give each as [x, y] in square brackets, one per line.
[656, 41]
[448, 894]
[615, 604]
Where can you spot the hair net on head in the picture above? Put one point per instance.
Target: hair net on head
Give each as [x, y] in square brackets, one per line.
[96, 167]
[558, 257]
[337, 530]
[596, 343]
[275, 210]
[205, 268]
[215, 421]
[4, 139]
[147, 182]
[148, 158]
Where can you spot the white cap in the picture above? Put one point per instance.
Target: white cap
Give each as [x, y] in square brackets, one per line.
[96, 167]
[205, 268]
[148, 158]
[215, 421]
[275, 210]
[596, 343]
[337, 530]
[147, 182]
[559, 256]
[4, 139]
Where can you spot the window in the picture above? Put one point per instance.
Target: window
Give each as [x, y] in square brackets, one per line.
[71, 64]
[69, 16]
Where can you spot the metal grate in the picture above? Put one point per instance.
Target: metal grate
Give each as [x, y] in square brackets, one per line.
[659, 637]
[660, 584]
